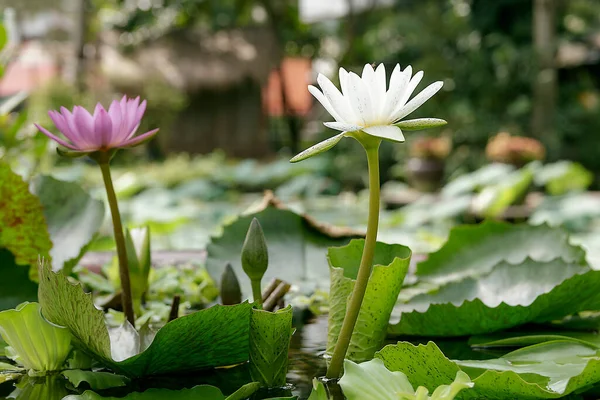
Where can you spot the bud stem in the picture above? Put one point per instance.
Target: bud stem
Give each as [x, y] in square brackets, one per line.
[257, 292]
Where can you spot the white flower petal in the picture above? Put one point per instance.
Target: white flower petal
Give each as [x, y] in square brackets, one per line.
[342, 126]
[412, 85]
[398, 83]
[337, 100]
[389, 132]
[360, 99]
[421, 98]
[377, 89]
[367, 73]
[343, 74]
[323, 100]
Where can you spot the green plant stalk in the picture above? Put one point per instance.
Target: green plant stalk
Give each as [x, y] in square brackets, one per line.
[341, 347]
[257, 292]
[126, 297]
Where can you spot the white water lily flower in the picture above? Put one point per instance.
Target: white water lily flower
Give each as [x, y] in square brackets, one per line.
[366, 104]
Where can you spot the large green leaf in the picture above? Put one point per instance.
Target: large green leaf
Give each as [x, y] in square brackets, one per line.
[217, 336]
[390, 267]
[544, 371]
[73, 218]
[473, 250]
[15, 285]
[508, 296]
[95, 379]
[23, 229]
[270, 334]
[297, 247]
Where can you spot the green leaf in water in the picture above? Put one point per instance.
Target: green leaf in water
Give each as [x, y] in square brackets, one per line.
[217, 336]
[318, 391]
[34, 342]
[46, 388]
[73, 218]
[96, 380]
[390, 267]
[270, 334]
[495, 199]
[372, 380]
[510, 295]
[545, 371]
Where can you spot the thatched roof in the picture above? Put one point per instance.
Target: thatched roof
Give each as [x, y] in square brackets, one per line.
[194, 61]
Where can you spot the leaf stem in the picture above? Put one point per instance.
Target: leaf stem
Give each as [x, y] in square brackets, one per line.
[257, 292]
[126, 298]
[341, 347]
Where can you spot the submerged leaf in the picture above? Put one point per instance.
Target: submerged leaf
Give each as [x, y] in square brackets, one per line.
[35, 343]
[270, 334]
[390, 267]
[96, 380]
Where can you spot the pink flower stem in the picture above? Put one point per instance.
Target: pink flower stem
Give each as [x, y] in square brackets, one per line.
[126, 298]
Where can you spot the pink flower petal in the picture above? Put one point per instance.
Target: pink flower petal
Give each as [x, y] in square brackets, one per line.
[138, 139]
[55, 138]
[103, 127]
[116, 116]
[84, 123]
[75, 136]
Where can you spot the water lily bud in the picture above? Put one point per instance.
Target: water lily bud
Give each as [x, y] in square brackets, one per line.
[137, 242]
[255, 256]
[231, 293]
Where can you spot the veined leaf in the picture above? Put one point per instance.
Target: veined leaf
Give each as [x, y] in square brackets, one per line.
[270, 334]
[390, 267]
[217, 336]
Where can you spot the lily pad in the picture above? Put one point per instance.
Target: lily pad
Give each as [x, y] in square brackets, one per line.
[390, 267]
[217, 336]
[510, 295]
[495, 199]
[270, 334]
[473, 250]
[297, 246]
[545, 371]
[73, 218]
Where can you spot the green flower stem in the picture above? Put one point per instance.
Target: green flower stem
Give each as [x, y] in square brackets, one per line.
[126, 298]
[257, 292]
[341, 347]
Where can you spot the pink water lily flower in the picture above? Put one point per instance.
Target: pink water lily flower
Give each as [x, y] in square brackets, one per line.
[102, 131]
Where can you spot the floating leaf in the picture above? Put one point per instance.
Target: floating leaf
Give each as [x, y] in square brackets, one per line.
[469, 183]
[564, 176]
[297, 246]
[95, 379]
[473, 250]
[216, 336]
[73, 218]
[521, 339]
[23, 229]
[270, 334]
[390, 267]
[510, 295]
[34, 342]
[495, 199]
